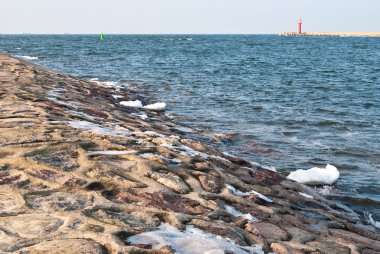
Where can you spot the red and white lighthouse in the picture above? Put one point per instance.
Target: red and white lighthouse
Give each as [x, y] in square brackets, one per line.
[300, 26]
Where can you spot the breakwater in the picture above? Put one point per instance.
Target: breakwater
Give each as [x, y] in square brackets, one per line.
[81, 173]
[330, 34]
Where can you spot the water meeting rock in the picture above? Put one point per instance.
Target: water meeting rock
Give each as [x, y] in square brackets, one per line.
[82, 173]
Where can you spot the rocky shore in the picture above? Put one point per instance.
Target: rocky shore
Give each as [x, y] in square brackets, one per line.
[81, 173]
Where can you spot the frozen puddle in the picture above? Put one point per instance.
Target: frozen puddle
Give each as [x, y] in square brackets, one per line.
[240, 193]
[99, 129]
[110, 152]
[231, 210]
[191, 241]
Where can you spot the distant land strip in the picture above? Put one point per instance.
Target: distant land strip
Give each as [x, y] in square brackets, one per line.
[331, 34]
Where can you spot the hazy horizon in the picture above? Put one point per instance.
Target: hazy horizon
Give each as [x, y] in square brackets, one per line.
[187, 16]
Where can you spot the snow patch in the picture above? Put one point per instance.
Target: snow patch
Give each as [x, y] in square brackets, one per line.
[159, 106]
[99, 129]
[132, 104]
[240, 193]
[231, 210]
[191, 241]
[315, 176]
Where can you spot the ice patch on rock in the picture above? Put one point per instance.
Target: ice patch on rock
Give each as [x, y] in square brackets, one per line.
[231, 210]
[132, 104]
[315, 176]
[159, 106]
[28, 57]
[240, 193]
[115, 96]
[99, 129]
[141, 116]
[306, 195]
[191, 241]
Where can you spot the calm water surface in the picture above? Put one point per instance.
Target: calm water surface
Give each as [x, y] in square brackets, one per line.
[292, 102]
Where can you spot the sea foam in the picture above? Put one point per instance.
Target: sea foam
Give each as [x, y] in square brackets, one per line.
[28, 57]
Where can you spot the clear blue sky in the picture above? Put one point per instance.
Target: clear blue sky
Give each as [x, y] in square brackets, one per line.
[187, 16]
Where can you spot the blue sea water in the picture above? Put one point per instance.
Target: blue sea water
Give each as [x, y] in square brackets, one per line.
[292, 103]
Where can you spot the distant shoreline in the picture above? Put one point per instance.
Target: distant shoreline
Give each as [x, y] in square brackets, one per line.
[330, 34]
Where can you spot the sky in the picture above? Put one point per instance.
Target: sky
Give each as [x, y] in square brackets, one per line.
[187, 16]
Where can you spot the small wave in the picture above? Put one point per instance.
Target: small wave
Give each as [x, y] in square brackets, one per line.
[28, 57]
[176, 39]
[370, 220]
[325, 190]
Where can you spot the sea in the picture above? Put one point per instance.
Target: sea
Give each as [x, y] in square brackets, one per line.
[286, 103]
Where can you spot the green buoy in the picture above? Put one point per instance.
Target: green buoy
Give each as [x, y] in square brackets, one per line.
[101, 36]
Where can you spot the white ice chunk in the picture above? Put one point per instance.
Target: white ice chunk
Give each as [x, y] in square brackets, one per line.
[191, 241]
[142, 116]
[306, 195]
[231, 210]
[316, 176]
[159, 106]
[132, 104]
[240, 193]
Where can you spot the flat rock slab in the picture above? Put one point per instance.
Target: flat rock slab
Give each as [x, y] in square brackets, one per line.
[66, 246]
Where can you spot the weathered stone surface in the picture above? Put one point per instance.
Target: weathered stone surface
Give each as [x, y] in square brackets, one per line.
[211, 183]
[137, 220]
[224, 231]
[66, 246]
[168, 202]
[30, 226]
[58, 201]
[267, 230]
[10, 201]
[172, 181]
[329, 247]
[267, 176]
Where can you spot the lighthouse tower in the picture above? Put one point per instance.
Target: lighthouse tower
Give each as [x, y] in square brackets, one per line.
[300, 26]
